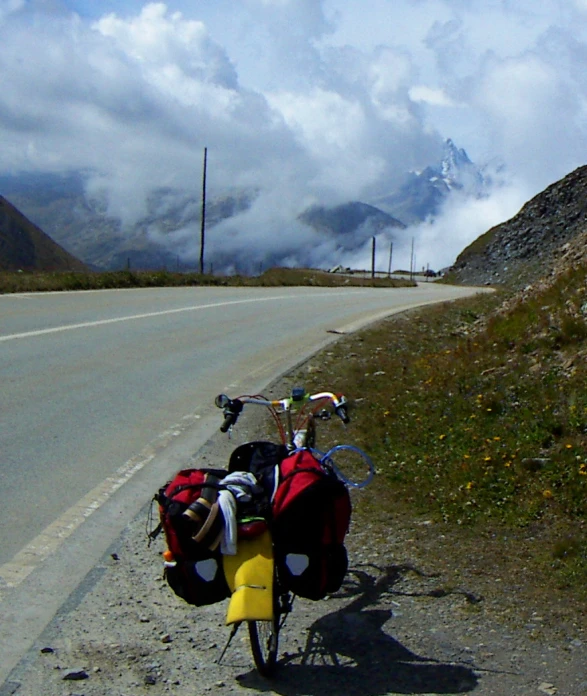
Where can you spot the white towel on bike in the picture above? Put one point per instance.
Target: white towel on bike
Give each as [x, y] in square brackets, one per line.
[240, 485]
[227, 504]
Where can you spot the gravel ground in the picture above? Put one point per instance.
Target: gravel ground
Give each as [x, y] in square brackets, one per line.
[411, 618]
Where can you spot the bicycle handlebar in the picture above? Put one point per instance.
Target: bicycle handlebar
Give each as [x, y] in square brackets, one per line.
[233, 407]
[299, 397]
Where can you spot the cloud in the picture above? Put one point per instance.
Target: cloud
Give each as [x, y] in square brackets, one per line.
[430, 95]
[175, 53]
[333, 130]
[438, 241]
[534, 110]
[301, 100]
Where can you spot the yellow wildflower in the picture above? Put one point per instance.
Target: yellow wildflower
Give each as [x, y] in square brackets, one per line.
[547, 494]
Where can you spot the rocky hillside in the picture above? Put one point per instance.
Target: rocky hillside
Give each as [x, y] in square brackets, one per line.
[23, 246]
[549, 231]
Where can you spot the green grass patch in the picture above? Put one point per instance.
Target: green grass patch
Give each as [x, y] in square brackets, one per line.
[476, 415]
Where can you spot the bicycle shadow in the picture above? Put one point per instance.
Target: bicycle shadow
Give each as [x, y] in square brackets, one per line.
[350, 646]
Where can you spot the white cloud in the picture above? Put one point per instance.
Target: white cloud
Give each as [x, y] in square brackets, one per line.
[168, 42]
[304, 99]
[430, 95]
[438, 244]
[333, 131]
[533, 111]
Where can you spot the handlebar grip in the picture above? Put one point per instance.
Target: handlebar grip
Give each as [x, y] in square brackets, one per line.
[342, 413]
[229, 420]
[231, 414]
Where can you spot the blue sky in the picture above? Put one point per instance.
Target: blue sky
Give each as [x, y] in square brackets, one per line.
[304, 100]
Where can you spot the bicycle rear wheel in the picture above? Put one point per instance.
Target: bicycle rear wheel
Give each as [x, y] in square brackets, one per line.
[264, 636]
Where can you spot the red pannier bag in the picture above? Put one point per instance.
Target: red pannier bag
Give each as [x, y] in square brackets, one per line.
[193, 562]
[311, 512]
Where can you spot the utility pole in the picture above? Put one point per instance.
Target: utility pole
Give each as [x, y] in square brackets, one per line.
[390, 255]
[412, 269]
[203, 227]
[373, 259]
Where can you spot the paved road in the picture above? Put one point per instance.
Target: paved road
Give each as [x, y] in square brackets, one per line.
[103, 389]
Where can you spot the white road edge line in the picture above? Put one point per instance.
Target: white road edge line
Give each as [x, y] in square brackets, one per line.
[44, 544]
[102, 322]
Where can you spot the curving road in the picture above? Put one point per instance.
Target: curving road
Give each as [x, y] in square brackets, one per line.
[104, 394]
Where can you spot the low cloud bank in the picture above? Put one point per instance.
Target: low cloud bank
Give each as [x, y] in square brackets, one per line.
[305, 103]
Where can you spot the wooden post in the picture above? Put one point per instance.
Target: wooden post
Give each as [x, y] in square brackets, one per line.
[203, 226]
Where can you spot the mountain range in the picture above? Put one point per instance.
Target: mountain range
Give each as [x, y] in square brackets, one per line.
[60, 205]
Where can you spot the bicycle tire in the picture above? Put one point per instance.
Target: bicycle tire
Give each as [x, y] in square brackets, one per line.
[264, 637]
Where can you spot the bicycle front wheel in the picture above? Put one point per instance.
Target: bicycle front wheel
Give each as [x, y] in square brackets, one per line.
[264, 636]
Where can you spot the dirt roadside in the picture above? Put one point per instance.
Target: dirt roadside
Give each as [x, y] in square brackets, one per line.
[419, 613]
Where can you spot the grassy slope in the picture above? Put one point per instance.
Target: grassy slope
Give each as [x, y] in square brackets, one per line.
[477, 421]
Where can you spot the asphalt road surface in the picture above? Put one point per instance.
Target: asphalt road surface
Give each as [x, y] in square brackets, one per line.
[104, 394]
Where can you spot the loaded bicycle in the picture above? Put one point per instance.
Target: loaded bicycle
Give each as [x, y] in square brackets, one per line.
[295, 418]
[272, 526]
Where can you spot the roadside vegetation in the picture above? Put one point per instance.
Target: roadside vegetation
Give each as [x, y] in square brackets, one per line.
[475, 413]
[15, 282]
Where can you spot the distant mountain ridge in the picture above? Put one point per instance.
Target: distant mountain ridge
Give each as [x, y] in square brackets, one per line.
[351, 223]
[25, 247]
[166, 234]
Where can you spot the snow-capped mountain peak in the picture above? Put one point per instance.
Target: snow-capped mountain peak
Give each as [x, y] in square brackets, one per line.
[454, 161]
